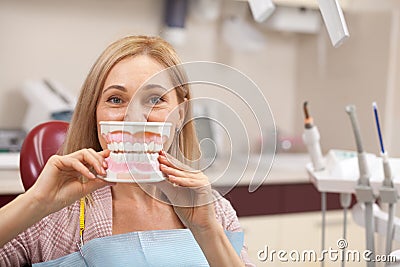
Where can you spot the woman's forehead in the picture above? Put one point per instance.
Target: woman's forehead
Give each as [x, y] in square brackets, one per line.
[137, 71]
[132, 67]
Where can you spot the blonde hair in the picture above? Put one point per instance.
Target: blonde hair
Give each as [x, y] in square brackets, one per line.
[82, 132]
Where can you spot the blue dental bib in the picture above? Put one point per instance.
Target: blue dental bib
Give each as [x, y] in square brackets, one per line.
[148, 248]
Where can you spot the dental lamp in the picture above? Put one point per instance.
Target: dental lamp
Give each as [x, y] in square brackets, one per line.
[334, 21]
[261, 9]
[174, 21]
[47, 100]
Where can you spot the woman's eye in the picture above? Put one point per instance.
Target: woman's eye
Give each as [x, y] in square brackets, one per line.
[114, 100]
[156, 100]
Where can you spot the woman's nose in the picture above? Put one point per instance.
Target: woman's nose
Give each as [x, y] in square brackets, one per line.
[136, 113]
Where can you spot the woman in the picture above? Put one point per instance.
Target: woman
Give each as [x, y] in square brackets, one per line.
[120, 208]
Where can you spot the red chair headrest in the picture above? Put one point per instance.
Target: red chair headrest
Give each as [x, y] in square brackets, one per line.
[39, 145]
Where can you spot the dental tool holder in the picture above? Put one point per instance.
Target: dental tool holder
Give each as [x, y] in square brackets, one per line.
[341, 175]
[388, 195]
[364, 193]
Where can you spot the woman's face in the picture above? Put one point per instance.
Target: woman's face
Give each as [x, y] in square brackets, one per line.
[151, 103]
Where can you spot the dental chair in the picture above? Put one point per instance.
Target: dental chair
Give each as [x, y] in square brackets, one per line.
[39, 145]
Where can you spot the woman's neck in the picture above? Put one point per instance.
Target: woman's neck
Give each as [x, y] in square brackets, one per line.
[134, 209]
[129, 192]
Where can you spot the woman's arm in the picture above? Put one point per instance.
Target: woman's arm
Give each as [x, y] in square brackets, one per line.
[18, 215]
[216, 246]
[58, 186]
[227, 217]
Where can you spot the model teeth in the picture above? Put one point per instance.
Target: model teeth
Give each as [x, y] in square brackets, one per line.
[136, 147]
[151, 146]
[128, 146]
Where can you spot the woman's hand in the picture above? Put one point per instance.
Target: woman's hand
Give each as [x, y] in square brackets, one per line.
[65, 179]
[189, 191]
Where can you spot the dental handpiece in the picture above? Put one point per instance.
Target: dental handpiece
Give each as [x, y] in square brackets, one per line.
[311, 138]
[362, 157]
[363, 189]
[388, 193]
[385, 158]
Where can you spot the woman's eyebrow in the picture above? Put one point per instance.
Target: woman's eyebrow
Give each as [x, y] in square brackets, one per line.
[153, 85]
[115, 86]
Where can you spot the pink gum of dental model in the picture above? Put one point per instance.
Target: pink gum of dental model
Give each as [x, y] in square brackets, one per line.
[132, 166]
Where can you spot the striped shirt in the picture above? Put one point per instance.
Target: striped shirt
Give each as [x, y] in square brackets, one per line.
[57, 235]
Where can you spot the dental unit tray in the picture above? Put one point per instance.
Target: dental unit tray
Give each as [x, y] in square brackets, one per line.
[341, 173]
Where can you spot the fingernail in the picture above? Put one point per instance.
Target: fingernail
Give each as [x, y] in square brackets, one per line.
[92, 175]
[105, 164]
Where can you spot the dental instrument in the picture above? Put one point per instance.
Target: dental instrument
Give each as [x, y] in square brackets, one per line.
[388, 193]
[311, 138]
[363, 189]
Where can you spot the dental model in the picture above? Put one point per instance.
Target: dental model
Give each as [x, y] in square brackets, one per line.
[135, 147]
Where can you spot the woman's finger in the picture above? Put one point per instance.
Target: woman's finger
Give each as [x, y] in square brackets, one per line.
[170, 161]
[185, 182]
[184, 179]
[92, 160]
[105, 154]
[175, 172]
[99, 157]
[75, 164]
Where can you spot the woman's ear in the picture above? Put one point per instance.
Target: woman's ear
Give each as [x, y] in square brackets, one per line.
[182, 109]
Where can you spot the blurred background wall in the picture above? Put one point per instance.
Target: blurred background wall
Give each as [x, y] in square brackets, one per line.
[62, 39]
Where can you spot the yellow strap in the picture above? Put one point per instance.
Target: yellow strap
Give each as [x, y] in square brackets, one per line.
[82, 219]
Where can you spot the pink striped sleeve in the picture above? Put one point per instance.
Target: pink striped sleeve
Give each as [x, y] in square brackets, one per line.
[18, 252]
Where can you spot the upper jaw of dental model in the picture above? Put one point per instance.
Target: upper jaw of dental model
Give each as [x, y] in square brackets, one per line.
[140, 142]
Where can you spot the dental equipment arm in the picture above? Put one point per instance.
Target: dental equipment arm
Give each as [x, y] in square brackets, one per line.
[387, 192]
[364, 192]
[311, 139]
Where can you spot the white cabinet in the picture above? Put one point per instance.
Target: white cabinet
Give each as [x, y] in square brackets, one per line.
[299, 231]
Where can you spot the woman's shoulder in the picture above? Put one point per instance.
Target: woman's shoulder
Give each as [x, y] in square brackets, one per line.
[225, 213]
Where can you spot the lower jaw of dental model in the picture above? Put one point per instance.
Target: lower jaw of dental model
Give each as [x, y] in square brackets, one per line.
[133, 157]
